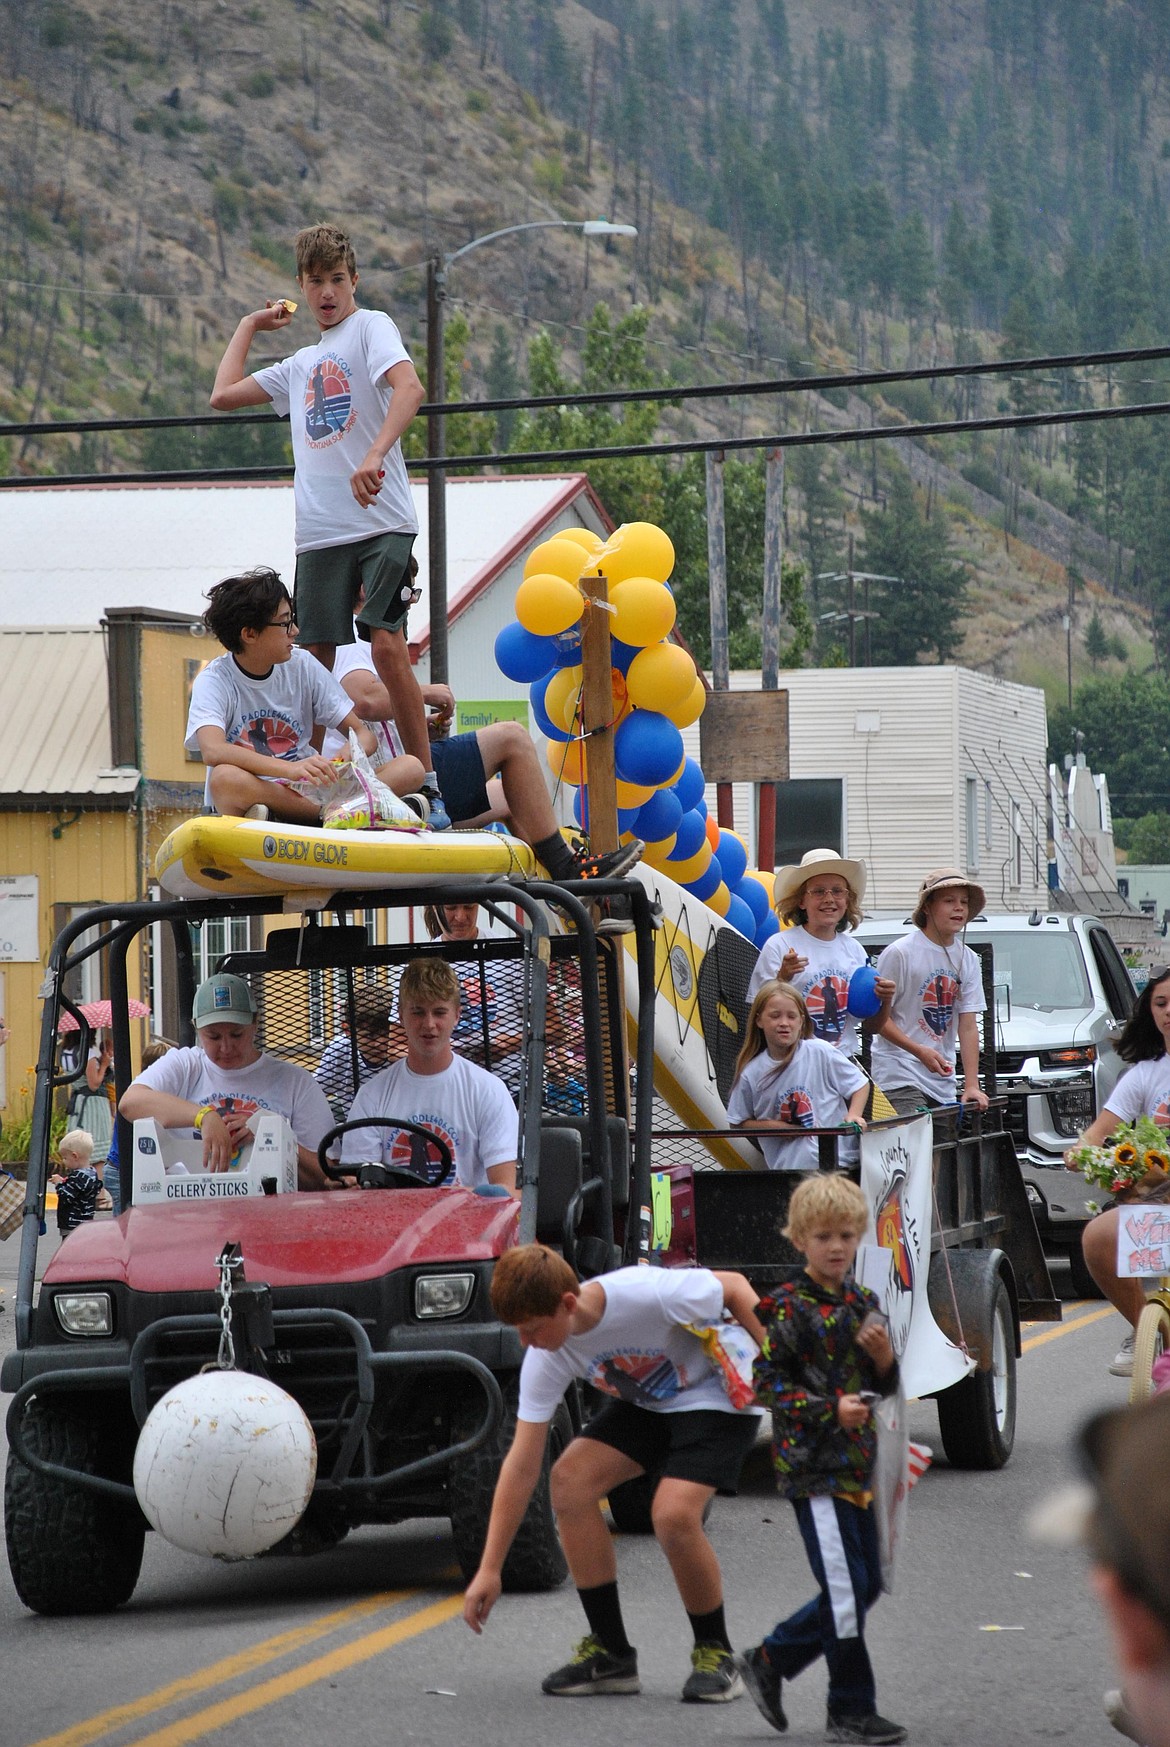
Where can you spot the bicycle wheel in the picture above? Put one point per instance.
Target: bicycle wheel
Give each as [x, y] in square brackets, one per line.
[1151, 1339]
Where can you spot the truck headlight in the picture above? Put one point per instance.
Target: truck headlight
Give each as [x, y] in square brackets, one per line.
[1072, 1109]
[438, 1295]
[84, 1313]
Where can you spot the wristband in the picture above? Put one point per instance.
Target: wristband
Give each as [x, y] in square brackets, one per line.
[203, 1111]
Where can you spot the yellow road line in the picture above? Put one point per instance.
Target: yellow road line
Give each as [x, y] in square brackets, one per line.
[1065, 1328]
[282, 1686]
[218, 1673]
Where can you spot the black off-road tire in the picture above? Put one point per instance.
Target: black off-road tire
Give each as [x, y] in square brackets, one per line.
[536, 1560]
[70, 1551]
[977, 1417]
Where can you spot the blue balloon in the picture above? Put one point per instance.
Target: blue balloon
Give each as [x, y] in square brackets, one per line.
[741, 917]
[706, 883]
[702, 807]
[692, 834]
[621, 654]
[540, 715]
[732, 858]
[753, 895]
[522, 656]
[647, 748]
[627, 818]
[690, 785]
[863, 1000]
[659, 816]
[581, 808]
[769, 926]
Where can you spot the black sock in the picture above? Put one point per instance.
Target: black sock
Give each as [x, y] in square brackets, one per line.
[710, 1628]
[603, 1610]
[556, 857]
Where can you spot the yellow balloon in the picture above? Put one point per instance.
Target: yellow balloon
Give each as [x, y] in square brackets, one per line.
[639, 549]
[661, 677]
[767, 880]
[693, 868]
[566, 760]
[546, 604]
[556, 557]
[584, 537]
[627, 837]
[655, 854]
[691, 708]
[561, 696]
[720, 899]
[633, 794]
[644, 611]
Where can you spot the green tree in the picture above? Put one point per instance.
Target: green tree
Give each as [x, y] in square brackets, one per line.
[919, 614]
[502, 381]
[468, 433]
[1149, 840]
[1123, 721]
[1096, 642]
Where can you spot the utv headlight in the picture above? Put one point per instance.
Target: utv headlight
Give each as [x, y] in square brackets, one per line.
[84, 1313]
[438, 1295]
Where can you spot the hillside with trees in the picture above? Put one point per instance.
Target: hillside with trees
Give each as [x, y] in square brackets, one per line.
[817, 185]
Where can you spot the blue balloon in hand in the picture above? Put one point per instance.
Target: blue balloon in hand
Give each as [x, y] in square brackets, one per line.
[863, 999]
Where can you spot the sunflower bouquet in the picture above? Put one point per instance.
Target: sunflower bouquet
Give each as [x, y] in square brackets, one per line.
[1133, 1164]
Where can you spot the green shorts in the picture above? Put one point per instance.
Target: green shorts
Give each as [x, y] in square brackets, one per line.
[329, 580]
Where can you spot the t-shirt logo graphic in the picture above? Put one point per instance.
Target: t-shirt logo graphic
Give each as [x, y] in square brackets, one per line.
[329, 412]
[410, 1152]
[270, 736]
[796, 1107]
[637, 1377]
[938, 1002]
[827, 1002]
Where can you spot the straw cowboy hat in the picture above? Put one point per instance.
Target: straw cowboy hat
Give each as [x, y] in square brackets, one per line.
[816, 861]
[945, 879]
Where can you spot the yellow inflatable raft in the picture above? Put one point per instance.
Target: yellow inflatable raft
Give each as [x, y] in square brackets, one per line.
[252, 858]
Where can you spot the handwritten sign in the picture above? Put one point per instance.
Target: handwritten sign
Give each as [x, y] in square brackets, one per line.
[1143, 1242]
[19, 912]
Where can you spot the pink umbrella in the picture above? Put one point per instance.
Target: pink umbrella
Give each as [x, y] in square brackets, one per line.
[102, 1013]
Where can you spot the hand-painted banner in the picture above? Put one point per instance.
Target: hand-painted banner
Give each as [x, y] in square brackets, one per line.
[895, 1179]
[1143, 1241]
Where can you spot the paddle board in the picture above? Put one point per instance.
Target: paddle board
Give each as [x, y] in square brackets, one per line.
[254, 857]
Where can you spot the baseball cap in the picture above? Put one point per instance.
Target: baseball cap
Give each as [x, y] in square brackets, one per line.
[223, 1000]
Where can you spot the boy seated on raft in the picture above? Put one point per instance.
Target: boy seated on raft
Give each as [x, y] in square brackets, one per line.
[257, 709]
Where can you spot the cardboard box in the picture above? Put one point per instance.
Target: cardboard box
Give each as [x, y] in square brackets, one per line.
[168, 1164]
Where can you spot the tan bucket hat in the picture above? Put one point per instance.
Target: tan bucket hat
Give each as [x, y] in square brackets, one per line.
[944, 879]
[789, 880]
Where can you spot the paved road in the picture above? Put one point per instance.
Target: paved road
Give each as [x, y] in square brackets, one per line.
[351, 1647]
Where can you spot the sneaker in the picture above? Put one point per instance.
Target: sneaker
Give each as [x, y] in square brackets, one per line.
[867, 1728]
[1122, 1365]
[258, 811]
[763, 1685]
[1121, 1716]
[610, 866]
[440, 819]
[592, 1669]
[714, 1678]
[418, 804]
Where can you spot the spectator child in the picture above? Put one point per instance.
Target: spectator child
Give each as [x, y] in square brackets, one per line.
[77, 1181]
[253, 710]
[787, 1080]
[824, 1358]
[334, 1072]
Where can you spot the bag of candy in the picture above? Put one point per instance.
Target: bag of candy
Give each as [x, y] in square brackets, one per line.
[354, 799]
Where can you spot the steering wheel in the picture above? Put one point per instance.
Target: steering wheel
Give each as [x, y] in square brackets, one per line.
[391, 1176]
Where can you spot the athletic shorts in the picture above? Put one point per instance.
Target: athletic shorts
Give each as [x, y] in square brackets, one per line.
[706, 1445]
[460, 775]
[329, 580]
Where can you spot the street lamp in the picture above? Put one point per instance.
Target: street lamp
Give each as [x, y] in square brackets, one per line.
[437, 268]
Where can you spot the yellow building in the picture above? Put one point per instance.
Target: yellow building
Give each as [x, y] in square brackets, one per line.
[94, 777]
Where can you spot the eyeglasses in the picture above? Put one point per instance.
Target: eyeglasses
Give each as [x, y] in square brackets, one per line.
[284, 624]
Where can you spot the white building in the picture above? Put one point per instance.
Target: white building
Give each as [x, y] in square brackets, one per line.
[911, 768]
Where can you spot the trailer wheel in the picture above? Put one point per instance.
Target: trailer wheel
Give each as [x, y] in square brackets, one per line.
[536, 1560]
[1151, 1339]
[977, 1417]
[70, 1552]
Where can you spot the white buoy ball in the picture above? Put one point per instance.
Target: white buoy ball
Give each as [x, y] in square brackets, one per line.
[225, 1464]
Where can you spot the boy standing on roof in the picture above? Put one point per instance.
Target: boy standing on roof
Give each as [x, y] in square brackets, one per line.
[350, 396]
[940, 992]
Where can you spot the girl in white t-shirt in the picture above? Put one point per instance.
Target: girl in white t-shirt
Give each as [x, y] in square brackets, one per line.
[787, 1080]
[818, 902]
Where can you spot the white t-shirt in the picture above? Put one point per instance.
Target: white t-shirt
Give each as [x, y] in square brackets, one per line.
[824, 982]
[640, 1351]
[1143, 1090]
[935, 984]
[266, 1084]
[354, 658]
[335, 395]
[464, 1105]
[812, 1089]
[274, 715]
[334, 1072]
